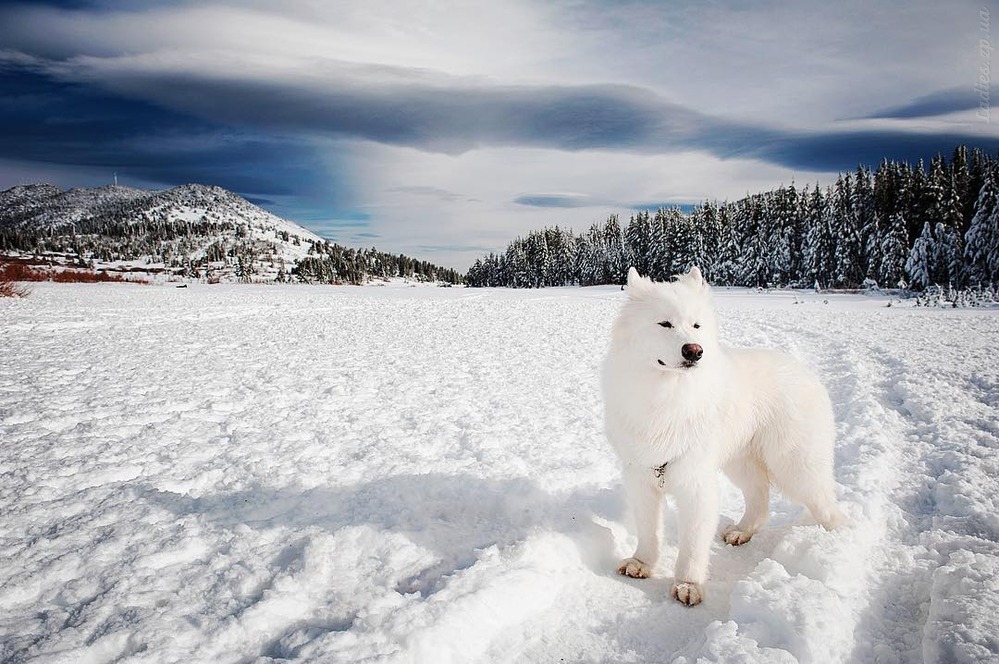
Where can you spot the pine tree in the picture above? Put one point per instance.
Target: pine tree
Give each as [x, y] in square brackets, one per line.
[783, 226]
[919, 265]
[660, 260]
[849, 270]
[616, 264]
[874, 245]
[893, 253]
[962, 193]
[705, 219]
[946, 255]
[639, 241]
[981, 246]
[684, 241]
[729, 249]
[819, 247]
[866, 224]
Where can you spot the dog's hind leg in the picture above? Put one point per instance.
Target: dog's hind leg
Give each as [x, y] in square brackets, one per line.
[645, 499]
[750, 476]
[815, 489]
[804, 473]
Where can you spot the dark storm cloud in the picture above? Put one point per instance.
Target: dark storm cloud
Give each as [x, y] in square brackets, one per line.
[556, 200]
[845, 150]
[582, 201]
[668, 205]
[442, 114]
[452, 115]
[46, 121]
[937, 103]
[435, 193]
[149, 121]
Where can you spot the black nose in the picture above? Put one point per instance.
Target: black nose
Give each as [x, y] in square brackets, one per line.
[692, 352]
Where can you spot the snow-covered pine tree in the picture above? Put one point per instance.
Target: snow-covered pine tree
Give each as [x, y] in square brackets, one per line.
[782, 226]
[873, 246]
[706, 221]
[866, 224]
[919, 265]
[952, 218]
[729, 249]
[594, 257]
[582, 257]
[961, 181]
[684, 241]
[946, 256]
[819, 246]
[981, 243]
[916, 216]
[893, 253]
[516, 265]
[661, 252]
[849, 269]
[750, 266]
[638, 241]
[979, 166]
[616, 265]
[930, 194]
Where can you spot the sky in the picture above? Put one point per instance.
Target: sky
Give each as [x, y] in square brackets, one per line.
[444, 129]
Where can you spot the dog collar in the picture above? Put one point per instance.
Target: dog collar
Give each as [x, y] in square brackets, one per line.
[660, 473]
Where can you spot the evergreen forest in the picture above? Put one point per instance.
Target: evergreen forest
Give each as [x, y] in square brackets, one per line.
[899, 226]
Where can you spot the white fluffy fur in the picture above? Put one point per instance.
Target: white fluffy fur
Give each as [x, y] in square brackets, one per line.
[758, 415]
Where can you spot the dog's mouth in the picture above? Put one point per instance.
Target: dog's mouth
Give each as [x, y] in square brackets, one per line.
[686, 364]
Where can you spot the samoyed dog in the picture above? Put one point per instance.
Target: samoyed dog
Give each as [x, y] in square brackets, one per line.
[679, 407]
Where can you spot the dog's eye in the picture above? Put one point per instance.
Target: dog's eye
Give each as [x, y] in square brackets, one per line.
[697, 326]
[665, 323]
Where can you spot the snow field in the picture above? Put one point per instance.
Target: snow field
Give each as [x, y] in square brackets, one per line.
[268, 473]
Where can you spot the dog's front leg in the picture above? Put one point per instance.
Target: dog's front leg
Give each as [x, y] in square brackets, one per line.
[646, 499]
[697, 521]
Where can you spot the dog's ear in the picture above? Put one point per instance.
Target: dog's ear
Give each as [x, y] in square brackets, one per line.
[638, 285]
[695, 277]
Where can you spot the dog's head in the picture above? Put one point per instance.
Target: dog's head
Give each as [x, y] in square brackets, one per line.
[671, 326]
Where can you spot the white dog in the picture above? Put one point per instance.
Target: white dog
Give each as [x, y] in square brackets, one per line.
[679, 407]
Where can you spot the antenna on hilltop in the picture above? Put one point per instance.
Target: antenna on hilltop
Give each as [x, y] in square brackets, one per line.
[116, 179]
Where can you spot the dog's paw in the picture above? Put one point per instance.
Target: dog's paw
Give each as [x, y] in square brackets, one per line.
[833, 518]
[687, 593]
[732, 535]
[634, 568]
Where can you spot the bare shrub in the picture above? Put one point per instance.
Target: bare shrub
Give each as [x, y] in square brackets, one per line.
[10, 285]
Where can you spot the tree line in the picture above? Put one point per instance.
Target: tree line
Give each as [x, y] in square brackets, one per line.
[331, 263]
[897, 226]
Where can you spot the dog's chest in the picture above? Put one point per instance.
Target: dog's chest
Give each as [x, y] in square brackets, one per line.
[655, 431]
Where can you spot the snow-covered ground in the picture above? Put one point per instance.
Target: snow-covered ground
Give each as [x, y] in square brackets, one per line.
[258, 473]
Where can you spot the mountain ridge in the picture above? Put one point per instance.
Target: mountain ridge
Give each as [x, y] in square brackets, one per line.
[193, 231]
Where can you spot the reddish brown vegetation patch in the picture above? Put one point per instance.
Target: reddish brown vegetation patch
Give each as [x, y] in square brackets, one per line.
[19, 270]
[9, 286]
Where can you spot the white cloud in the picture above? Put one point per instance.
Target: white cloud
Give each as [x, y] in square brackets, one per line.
[460, 38]
[802, 63]
[485, 183]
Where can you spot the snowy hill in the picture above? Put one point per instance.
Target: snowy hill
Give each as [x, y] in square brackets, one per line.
[191, 202]
[193, 231]
[261, 474]
[44, 206]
